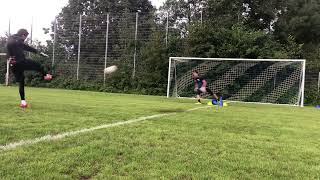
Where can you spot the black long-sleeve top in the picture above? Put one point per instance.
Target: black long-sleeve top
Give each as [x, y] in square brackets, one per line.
[16, 48]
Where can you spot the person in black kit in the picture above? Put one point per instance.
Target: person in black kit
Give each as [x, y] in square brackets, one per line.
[200, 85]
[19, 63]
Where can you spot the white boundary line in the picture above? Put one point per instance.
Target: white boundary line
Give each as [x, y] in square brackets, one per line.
[15, 145]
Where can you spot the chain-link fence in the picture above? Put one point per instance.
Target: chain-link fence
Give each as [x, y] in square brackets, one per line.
[83, 47]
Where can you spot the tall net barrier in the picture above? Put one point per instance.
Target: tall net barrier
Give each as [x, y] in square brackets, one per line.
[80, 47]
[248, 80]
[84, 46]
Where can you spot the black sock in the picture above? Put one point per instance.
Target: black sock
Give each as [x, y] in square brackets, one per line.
[199, 100]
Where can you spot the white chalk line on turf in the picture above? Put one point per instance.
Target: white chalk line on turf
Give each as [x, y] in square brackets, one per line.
[15, 145]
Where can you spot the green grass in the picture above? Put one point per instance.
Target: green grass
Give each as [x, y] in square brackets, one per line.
[241, 141]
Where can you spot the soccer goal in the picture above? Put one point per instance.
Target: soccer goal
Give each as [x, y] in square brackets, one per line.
[275, 81]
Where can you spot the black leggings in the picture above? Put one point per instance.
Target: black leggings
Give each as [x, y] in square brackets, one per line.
[18, 71]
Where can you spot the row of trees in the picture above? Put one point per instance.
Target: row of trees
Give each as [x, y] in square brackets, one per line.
[203, 28]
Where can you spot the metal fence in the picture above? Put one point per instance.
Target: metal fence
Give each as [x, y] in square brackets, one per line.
[90, 44]
[82, 47]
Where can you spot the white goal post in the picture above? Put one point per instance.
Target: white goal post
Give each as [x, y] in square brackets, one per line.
[275, 81]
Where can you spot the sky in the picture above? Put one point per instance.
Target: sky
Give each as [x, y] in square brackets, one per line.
[40, 13]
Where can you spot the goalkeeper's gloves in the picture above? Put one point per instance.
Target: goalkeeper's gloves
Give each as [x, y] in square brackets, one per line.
[43, 54]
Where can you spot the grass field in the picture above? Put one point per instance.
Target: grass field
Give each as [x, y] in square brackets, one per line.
[241, 141]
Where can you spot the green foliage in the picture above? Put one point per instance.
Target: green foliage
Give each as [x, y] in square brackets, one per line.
[181, 14]
[312, 95]
[301, 19]
[238, 41]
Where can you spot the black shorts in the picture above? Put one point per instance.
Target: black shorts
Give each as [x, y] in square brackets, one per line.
[26, 65]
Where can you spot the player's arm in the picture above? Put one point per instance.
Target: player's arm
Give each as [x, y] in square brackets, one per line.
[29, 48]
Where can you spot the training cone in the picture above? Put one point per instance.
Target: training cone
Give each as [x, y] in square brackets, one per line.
[214, 101]
[225, 104]
[209, 103]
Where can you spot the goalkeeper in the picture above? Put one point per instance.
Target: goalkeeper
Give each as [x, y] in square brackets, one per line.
[200, 85]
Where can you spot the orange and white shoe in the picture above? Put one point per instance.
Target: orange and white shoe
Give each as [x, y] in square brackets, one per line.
[23, 104]
[48, 77]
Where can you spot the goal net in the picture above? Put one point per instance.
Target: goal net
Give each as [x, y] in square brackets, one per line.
[276, 81]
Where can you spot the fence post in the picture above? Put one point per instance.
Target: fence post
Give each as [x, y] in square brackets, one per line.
[106, 52]
[135, 47]
[319, 83]
[167, 29]
[9, 29]
[7, 73]
[54, 42]
[31, 31]
[31, 35]
[79, 46]
[8, 61]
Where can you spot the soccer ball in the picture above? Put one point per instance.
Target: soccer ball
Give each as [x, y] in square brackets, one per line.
[110, 69]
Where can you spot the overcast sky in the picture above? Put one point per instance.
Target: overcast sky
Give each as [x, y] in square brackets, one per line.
[41, 12]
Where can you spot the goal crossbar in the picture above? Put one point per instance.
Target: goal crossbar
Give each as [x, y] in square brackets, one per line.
[235, 59]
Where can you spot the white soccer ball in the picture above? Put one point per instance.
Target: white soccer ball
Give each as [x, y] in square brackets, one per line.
[110, 69]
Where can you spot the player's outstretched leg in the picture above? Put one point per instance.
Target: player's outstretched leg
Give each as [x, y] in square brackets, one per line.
[214, 97]
[30, 65]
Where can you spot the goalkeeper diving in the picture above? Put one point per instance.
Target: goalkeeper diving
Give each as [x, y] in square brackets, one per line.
[200, 86]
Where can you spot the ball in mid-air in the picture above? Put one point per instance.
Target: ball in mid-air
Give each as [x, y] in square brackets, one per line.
[110, 69]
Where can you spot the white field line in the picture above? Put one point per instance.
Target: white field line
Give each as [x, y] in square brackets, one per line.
[15, 145]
